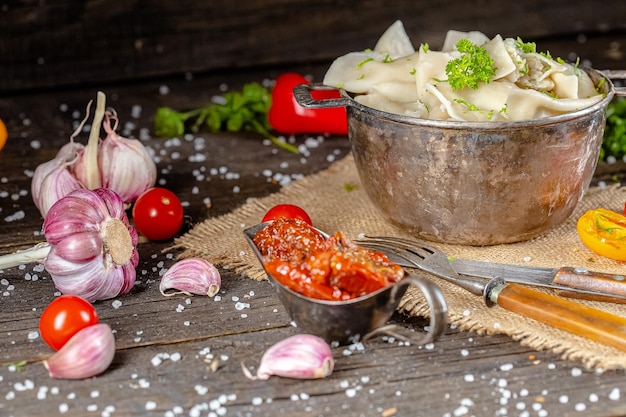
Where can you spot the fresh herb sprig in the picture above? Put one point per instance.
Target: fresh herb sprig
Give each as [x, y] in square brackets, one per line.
[614, 140]
[237, 111]
[471, 68]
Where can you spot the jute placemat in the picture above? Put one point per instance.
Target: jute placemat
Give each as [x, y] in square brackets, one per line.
[336, 201]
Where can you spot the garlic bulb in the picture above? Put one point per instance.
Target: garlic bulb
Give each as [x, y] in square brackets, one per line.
[88, 353]
[93, 246]
[120, 164]
[53, 180]
[125, 165]
[303, 356]
[191, 276]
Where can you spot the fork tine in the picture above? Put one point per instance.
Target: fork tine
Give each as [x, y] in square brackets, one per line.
[423, 257]
[430, 259]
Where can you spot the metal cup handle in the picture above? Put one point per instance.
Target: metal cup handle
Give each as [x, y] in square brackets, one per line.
[303, 96]
[436, 306]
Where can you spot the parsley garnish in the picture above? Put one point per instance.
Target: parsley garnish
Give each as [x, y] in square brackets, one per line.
[526, 47]
[238, 111]
[471, 68]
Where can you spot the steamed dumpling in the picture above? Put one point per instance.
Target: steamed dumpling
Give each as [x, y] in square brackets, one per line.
[395, 78]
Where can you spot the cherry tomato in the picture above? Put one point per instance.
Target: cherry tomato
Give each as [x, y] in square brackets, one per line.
[158, 214]
[604, 232]
[64, 317]
[287, 210]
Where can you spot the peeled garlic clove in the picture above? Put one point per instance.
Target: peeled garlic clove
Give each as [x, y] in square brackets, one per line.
[303, 356]
[88, 353]
[191, 276]
[125, 164]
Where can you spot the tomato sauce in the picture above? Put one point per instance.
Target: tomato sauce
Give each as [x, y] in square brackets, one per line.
[334, 268]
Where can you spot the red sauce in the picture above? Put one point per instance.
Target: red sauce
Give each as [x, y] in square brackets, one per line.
[334, 268]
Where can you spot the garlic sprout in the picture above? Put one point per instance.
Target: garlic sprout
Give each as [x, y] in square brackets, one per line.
[90, 249]
[120, 164]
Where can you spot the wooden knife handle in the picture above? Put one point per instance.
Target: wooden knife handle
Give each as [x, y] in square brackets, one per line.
[584, 279]
[591, 323]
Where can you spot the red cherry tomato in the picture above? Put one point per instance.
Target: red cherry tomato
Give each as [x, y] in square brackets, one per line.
[158, 214]
[287, 210]
[64, 317]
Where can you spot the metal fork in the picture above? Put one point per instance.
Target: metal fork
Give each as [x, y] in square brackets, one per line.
[563, 314]
[426, 258]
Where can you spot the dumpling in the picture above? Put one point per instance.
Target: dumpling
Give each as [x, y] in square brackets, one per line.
[395, 42]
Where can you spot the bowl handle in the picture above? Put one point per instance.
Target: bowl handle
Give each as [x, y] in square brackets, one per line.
[303, 96]
[437, 308]
[616, 75]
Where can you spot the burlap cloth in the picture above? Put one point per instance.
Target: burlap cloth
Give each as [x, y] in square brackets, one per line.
[333, 206]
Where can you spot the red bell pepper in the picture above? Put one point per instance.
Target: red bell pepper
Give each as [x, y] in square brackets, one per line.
[288, 117]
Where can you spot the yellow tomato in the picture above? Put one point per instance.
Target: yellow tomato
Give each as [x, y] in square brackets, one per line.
[604, 232]
[3, 134]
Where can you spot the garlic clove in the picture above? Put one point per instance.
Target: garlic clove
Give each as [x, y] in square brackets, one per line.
[302, 356]
[125, 164]
[191, 276]
[53, 180]
[88, 353]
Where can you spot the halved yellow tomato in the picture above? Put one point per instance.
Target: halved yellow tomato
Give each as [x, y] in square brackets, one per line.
[604, 232]
[3, 134]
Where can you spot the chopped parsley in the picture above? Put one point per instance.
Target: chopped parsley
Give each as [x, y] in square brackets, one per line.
[471, 68]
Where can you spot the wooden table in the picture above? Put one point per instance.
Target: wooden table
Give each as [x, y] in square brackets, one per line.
[183, 355]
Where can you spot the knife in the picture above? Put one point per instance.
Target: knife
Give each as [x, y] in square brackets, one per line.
[566, 281]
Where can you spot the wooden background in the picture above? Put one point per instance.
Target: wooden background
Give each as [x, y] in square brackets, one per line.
[46, 43]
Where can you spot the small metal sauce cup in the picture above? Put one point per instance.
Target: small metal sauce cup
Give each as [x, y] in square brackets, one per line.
[360, 318]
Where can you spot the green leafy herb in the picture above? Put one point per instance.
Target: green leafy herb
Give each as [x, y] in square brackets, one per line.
[238, 111]
[349, 187]
[18, 365]
[471, 68]
[614, 140]
[365, 61]
[526, 47]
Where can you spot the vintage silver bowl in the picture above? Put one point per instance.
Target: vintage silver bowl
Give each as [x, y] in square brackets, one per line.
[473, 183]
[363, 317]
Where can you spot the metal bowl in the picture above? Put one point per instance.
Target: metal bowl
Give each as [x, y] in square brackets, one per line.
[473, 183]
[359, 318]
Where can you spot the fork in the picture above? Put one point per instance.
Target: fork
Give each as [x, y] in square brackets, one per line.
[566, 315]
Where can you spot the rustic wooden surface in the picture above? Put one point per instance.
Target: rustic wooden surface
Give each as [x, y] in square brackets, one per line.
[71, 42]
[182, 355]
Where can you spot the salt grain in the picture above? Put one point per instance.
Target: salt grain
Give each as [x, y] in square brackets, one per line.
[150, 405]
[506, 367]
[116, 304]
[614, 395]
